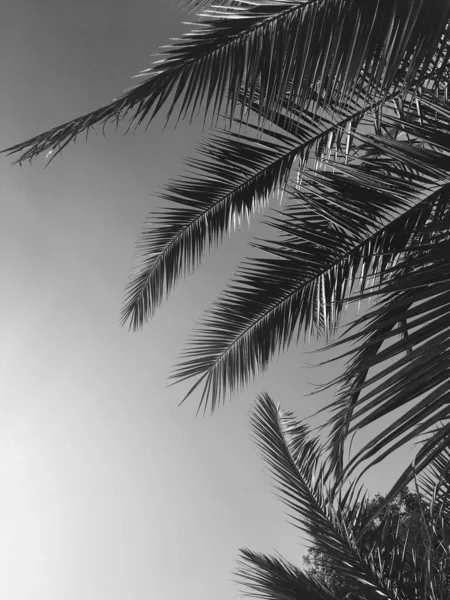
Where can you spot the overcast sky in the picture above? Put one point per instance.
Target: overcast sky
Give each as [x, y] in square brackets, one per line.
[109, 491]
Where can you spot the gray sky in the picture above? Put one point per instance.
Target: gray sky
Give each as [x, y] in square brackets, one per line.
[109, 491]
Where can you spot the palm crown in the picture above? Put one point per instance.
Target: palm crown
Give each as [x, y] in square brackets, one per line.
[342, 104]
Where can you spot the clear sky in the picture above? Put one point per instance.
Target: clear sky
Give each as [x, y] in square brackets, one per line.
[109, 491]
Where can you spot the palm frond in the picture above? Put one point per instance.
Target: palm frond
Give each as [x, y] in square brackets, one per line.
[402, 556]
[428, 128]
[420, 557]
[303, 49]
[348, 227]
[235, 181]
[411, 372]
[238, 177]
[400, 306]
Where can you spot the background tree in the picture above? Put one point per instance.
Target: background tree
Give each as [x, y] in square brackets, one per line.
[410, 511]
[343, 105]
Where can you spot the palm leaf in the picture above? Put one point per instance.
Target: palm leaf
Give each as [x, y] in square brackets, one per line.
[303, 49]
[433, 133]
[399, 306]
[434, 481]
[209, 202]
[347, 228]
[419, 287]
[237, 179]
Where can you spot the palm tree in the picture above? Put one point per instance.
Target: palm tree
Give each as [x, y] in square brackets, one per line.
[343, 105]
[389, 561]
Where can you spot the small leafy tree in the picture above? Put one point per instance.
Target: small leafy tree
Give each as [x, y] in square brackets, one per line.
[407, 506]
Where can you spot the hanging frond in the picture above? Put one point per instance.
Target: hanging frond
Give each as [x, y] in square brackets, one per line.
[303, 49]
[239, 176]
[348, 228]
[237, 179]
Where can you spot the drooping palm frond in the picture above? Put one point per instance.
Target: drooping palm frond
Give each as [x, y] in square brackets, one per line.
[239, 175]
[348, 227]
[409, 372]
[302, 49]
